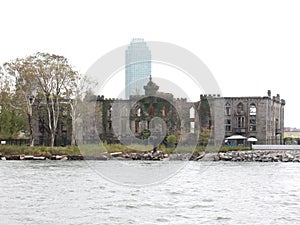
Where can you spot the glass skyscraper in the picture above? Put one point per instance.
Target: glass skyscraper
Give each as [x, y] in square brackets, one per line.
[138, 67]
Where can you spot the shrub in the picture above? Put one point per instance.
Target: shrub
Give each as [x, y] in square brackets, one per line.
[171, 140]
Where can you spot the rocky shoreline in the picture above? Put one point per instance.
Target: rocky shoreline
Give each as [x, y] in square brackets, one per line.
[260, 156]
[234, 156]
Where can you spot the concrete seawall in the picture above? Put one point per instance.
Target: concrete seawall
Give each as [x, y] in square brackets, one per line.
[276, 147]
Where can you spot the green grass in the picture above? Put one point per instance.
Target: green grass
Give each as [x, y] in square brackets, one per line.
[234, 148]
[98, 149]
[38, 150]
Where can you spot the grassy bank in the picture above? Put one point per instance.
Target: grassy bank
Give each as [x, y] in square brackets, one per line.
[38, 150]
[97, 149]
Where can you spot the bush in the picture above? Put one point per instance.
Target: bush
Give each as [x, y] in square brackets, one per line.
[204, 137]
[171, 140]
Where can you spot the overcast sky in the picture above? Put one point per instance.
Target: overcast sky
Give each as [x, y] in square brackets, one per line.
[249, 46]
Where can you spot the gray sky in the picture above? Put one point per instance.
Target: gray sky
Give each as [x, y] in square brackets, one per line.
[249, 46]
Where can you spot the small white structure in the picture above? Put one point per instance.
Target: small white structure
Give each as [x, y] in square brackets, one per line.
[252, 139]
[235, 140]
[236, 137]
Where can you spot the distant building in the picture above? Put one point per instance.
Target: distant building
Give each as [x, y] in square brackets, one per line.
[291, 135]
[138, 67]
[290, 132]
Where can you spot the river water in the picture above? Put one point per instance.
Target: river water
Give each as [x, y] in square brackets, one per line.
[71, 192]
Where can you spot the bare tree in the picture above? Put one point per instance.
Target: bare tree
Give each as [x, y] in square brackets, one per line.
[82, 87]
[56, 79]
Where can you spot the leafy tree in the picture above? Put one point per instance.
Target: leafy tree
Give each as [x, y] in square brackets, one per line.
[11, 123]
[48, 75]
[22, 78]
[11, 117]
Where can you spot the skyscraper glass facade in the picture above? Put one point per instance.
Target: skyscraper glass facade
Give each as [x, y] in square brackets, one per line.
[138, 67]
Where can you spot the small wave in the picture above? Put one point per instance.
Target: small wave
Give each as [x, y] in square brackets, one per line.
[223, 218]
[164, 220]
[199, 206]
[131, 207]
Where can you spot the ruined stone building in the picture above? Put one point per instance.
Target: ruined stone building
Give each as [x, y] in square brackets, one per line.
[259, 117]
[155, 115]
[40, 124]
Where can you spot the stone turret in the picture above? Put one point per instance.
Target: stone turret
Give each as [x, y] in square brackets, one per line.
[151, 88]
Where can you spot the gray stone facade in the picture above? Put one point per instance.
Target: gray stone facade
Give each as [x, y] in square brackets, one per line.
[155, 115]
[40, 124]
[259, 117]
[133, 120]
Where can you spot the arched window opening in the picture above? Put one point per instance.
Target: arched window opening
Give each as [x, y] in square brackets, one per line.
[252, 123]
[227, 109]
[138, 111]
[109, 112]
[252, 117]
[192, 127]
[164, 111]
[252, 110]
[192, 113]
[240, 122]
[137, 127]
[227, 124]
[151, 110]
[240, 107]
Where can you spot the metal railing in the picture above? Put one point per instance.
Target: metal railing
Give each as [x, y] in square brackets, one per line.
[14, 141]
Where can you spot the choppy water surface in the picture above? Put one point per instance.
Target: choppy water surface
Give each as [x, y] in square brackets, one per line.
[70, 192]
